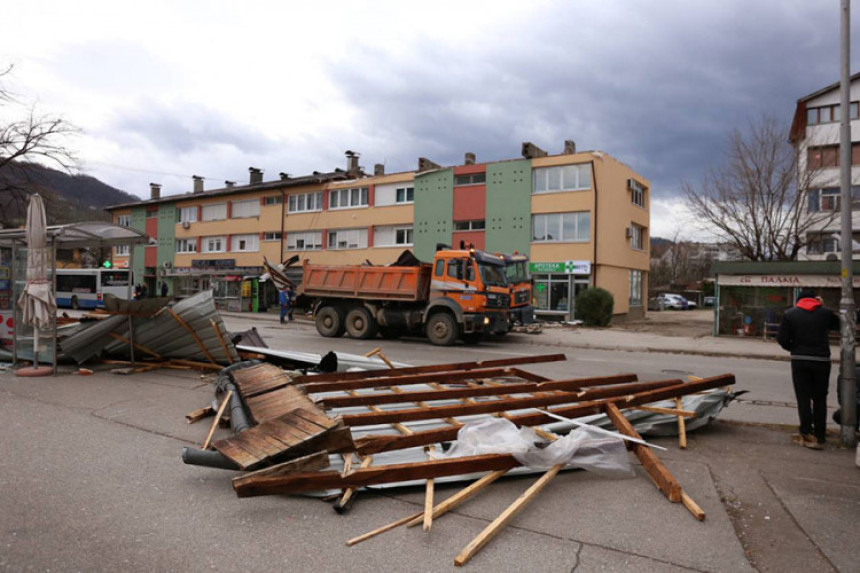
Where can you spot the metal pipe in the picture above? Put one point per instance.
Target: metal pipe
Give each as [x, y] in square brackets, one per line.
[207, 458]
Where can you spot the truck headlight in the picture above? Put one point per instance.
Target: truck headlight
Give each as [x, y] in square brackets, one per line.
[486, 320]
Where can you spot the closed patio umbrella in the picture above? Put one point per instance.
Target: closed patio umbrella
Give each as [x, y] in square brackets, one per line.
[37, 301]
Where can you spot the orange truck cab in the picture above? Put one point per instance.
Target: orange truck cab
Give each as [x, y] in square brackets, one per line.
[520, 284]
[463, 294]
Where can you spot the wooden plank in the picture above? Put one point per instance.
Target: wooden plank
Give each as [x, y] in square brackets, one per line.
[460, 497]
[317, 387]
[682, 426]
[428, 496]
[140, 347]
[193, 334]
[260, 379]
[218, 415]
[255, 444]
[505, 517]
[378, 398]
[236, 453]
[451, 367]
[346, 499]
[221, 340]
[373, 444]
[198, 365]
[660, 475]
[498, 405]
[382, 529]
[391, 473]
[692, 506]
[199, 414]
[667, 411]
[312, 462]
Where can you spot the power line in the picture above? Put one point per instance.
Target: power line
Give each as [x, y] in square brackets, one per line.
[149, 171]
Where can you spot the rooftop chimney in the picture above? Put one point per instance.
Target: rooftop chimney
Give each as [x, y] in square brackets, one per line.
[256, 175]
[569, 147]
[530, 150]
[379, 169]
[352, 162]
[284, 176]
[425, 164]
[155, 191]
[228, 184]
[198, 183]
[470, 158]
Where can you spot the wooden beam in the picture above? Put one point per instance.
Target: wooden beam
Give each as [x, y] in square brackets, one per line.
[682, 426]
[500, 405]
[218, 415]
[661, 476]
[193, 334]
[428, 497]
[505, 517]
[378, 398]
[199, 414]
[312, 462]
[346, 499]
[667, 411]
[140, 347]
[391, 473]
[196, 364]
[457, 366]
[692, 506]
[221, 341]
[376, 443]
[375, 382]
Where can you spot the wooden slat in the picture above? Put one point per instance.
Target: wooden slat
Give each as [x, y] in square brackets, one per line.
[519, 360]
[317, 387]
[378, 398]
[312, 462]
[499, 405]
[692, 506]
[236, 453]
[218, 415]
[373, 444]
[260, 379]
[391, 473]
[221, 340]
[660, 475]
[193, 334]
[199, 414]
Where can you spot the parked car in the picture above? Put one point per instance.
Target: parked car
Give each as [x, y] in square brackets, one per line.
[709, 301]
[670, 301]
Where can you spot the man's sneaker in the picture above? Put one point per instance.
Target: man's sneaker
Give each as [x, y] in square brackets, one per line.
[814, 445]
[803, 439]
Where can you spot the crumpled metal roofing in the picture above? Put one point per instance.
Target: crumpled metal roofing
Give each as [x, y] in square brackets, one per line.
[161, 333]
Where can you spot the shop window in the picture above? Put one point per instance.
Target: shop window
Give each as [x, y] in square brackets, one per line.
[552, 292]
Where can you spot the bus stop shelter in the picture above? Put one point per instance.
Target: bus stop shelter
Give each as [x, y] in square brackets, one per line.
[13, 273]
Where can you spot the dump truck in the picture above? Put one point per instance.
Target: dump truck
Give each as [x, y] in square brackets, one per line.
[463, 294]
[520, 284]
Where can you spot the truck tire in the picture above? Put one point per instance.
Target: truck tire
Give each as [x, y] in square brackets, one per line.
[442, 329]
[360, 324]
[329, 321]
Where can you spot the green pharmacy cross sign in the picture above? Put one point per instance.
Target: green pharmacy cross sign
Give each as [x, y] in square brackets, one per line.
[562, 267]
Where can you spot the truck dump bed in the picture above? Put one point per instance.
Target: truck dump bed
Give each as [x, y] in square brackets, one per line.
[367, 282]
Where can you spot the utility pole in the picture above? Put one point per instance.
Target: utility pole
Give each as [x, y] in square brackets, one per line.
[846, 305]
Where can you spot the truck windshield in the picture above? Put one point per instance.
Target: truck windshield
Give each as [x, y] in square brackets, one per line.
[517, 272]
[492, 275]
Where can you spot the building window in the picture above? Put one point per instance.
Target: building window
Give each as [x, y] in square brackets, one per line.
[245, 243]
[405, 195]
[822, 245]
[214, 244]
[245, 209]
[122, 250]
[552, 292]
[403, 236]
[561, 227]
[347, 198]
[188, 214]
[186, 245]
[347, 239]
[217, 212]
[469, 225]
[273, 200]
[637, 236]
[828, 199]
[392, 236]
[562, 178]
[306, 241]
[637, 192]
[829, 113]
[152, 214]
[472, 179]
[635, 288]
[305, 202]
[276, 236]
[123, 220]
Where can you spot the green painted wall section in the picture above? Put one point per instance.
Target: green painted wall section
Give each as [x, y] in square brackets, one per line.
[138, 221]
[434, 205]
[166, 234]
[509, 196]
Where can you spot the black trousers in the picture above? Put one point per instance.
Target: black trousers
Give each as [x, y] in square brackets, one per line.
[811, 380]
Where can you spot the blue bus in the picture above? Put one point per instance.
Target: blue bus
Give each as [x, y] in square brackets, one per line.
[85, 288]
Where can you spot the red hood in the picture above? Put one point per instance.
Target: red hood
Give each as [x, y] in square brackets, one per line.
[808, 304]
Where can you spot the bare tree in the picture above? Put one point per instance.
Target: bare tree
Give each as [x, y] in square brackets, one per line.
[755, 200]
[32, 138]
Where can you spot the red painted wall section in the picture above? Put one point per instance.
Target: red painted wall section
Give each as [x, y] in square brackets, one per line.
[470, 203]
[371, 195]
[469, 169]
[150, 257]
[152, 227]
[474, 237]
[370, 235]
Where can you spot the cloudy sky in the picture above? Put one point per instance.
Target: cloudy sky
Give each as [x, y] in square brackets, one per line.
[166, 90]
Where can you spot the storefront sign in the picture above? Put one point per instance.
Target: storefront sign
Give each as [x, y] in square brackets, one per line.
[817, 281]
[213, 263]
[566, 267]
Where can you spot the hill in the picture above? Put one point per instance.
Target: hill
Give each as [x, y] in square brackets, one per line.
[68, 197]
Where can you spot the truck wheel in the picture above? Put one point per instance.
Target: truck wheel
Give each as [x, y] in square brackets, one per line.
[441, 329]
[360, 324]
[329, 322]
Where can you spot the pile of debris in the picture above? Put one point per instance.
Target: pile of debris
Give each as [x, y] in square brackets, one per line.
[297, 433]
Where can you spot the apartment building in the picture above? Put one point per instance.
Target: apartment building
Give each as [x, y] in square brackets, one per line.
[815, 136]
[583, 219]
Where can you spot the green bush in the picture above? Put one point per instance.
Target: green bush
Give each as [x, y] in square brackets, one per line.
[594, 306]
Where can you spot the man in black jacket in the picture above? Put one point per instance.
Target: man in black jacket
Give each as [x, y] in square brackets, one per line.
[803, 332]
